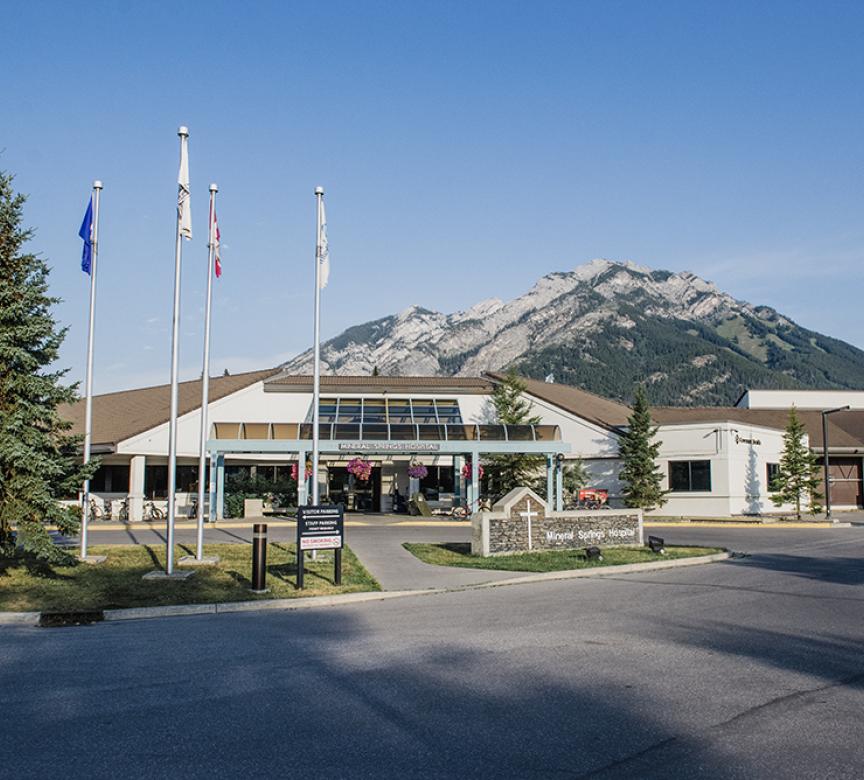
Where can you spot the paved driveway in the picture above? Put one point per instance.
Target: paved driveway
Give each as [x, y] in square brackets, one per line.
[744, 669]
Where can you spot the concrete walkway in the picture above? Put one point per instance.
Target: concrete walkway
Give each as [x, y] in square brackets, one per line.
[381, 551]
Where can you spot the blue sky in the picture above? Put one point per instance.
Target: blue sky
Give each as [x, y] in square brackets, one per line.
[467, 148]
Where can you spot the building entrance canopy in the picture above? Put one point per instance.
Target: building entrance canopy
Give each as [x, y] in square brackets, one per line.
[456, 439]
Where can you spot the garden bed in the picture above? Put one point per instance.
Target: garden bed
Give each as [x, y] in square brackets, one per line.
[459, 554]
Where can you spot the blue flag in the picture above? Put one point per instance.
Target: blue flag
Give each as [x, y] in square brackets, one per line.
[86, 234]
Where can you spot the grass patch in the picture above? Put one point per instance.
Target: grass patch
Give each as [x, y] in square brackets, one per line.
[459, 554]
[29, 585]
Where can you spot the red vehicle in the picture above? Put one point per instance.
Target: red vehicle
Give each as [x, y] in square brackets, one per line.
[593, 498]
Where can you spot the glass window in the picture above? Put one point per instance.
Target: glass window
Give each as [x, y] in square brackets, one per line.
[350, 411]
[687, 476]
[438, 480]
[430, 432]
[399, 411]
[374, 431]
[187, 479]
[110, 479]
[520, 433]
[403, 432]
[491, 432]
[156, 482]
[448, 411]
[347, 431]
[326, 410]
[374, 410]
[773, 470]
[424, 411]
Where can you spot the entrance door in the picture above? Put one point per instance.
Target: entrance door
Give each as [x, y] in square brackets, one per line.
[356, 495]
[845, 474]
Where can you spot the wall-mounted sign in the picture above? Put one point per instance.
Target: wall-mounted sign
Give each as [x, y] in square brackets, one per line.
[389, 446]
[742, 440]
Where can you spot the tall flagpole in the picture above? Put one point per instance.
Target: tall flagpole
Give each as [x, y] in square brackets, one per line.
[205, 376]
[316, 371]
[88, 403]
[183, 132]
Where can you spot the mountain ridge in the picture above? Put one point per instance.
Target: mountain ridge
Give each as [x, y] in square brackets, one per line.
[605, 326]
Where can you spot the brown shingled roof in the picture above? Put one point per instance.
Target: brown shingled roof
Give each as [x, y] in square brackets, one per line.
[121, 415]
[594, 408]
[845, 429]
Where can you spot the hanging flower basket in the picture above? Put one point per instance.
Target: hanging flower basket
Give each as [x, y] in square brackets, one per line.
[307, 470]
[466, 471]
[417, 471]
[361, 469]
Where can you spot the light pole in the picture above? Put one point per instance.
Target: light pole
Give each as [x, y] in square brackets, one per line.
[827, 479]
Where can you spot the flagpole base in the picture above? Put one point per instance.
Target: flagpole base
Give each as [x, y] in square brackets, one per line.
[93, 560]
[159, 574]
[191, 560]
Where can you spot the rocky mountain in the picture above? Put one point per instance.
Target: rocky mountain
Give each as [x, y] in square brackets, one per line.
[606, 326]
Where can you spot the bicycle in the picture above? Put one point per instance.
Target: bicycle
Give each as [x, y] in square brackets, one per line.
[123, 510]
[153, 512]
[192, 510]
[96, 512]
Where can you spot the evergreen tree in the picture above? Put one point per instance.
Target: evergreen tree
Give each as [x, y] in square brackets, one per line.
[504, 472]
[39, 463]
[797, 480]
[639, 473]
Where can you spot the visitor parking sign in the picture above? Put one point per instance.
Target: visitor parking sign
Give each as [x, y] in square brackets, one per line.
[320, 528]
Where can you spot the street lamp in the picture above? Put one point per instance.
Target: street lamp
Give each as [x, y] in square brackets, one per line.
[827, 479]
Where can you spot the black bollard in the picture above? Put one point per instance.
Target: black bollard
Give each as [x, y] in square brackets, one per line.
[259, 558]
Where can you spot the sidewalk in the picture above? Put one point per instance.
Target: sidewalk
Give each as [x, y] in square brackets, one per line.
[382, 553]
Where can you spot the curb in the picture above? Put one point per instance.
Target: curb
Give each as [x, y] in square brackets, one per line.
[604, 571]
[181, 610]
[734, 524]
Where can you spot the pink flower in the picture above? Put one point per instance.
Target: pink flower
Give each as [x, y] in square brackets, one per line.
[362, 469]
[466, 471]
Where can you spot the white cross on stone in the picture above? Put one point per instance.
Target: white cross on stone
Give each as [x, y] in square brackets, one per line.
[528, 515]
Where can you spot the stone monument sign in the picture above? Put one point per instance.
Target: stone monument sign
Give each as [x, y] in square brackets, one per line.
[522, 522]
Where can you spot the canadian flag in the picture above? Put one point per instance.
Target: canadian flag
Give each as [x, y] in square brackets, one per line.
[214, 231]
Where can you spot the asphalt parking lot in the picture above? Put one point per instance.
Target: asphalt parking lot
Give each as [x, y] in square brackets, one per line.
[747, 668]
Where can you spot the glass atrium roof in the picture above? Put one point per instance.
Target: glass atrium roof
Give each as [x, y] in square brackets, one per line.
[387, 411]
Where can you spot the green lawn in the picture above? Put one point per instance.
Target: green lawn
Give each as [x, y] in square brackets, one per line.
[29, 585]
[459, 554]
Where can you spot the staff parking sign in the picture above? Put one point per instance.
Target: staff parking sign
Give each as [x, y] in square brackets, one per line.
[320, 528]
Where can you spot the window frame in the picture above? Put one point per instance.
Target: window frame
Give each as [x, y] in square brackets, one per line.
[689, 488]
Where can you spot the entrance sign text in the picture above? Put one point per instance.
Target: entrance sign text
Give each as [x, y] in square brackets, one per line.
[389, 446]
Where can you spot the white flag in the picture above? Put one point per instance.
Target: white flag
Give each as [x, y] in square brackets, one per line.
[323, 252]
[184, 203]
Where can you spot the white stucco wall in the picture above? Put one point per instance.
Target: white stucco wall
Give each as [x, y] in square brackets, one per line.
[739, 455]
[802, 399]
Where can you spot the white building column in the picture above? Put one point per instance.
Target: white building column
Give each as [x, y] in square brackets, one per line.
[220, 488]
[211, 504]
[559, 484]
[302, 482]
[137, 467]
